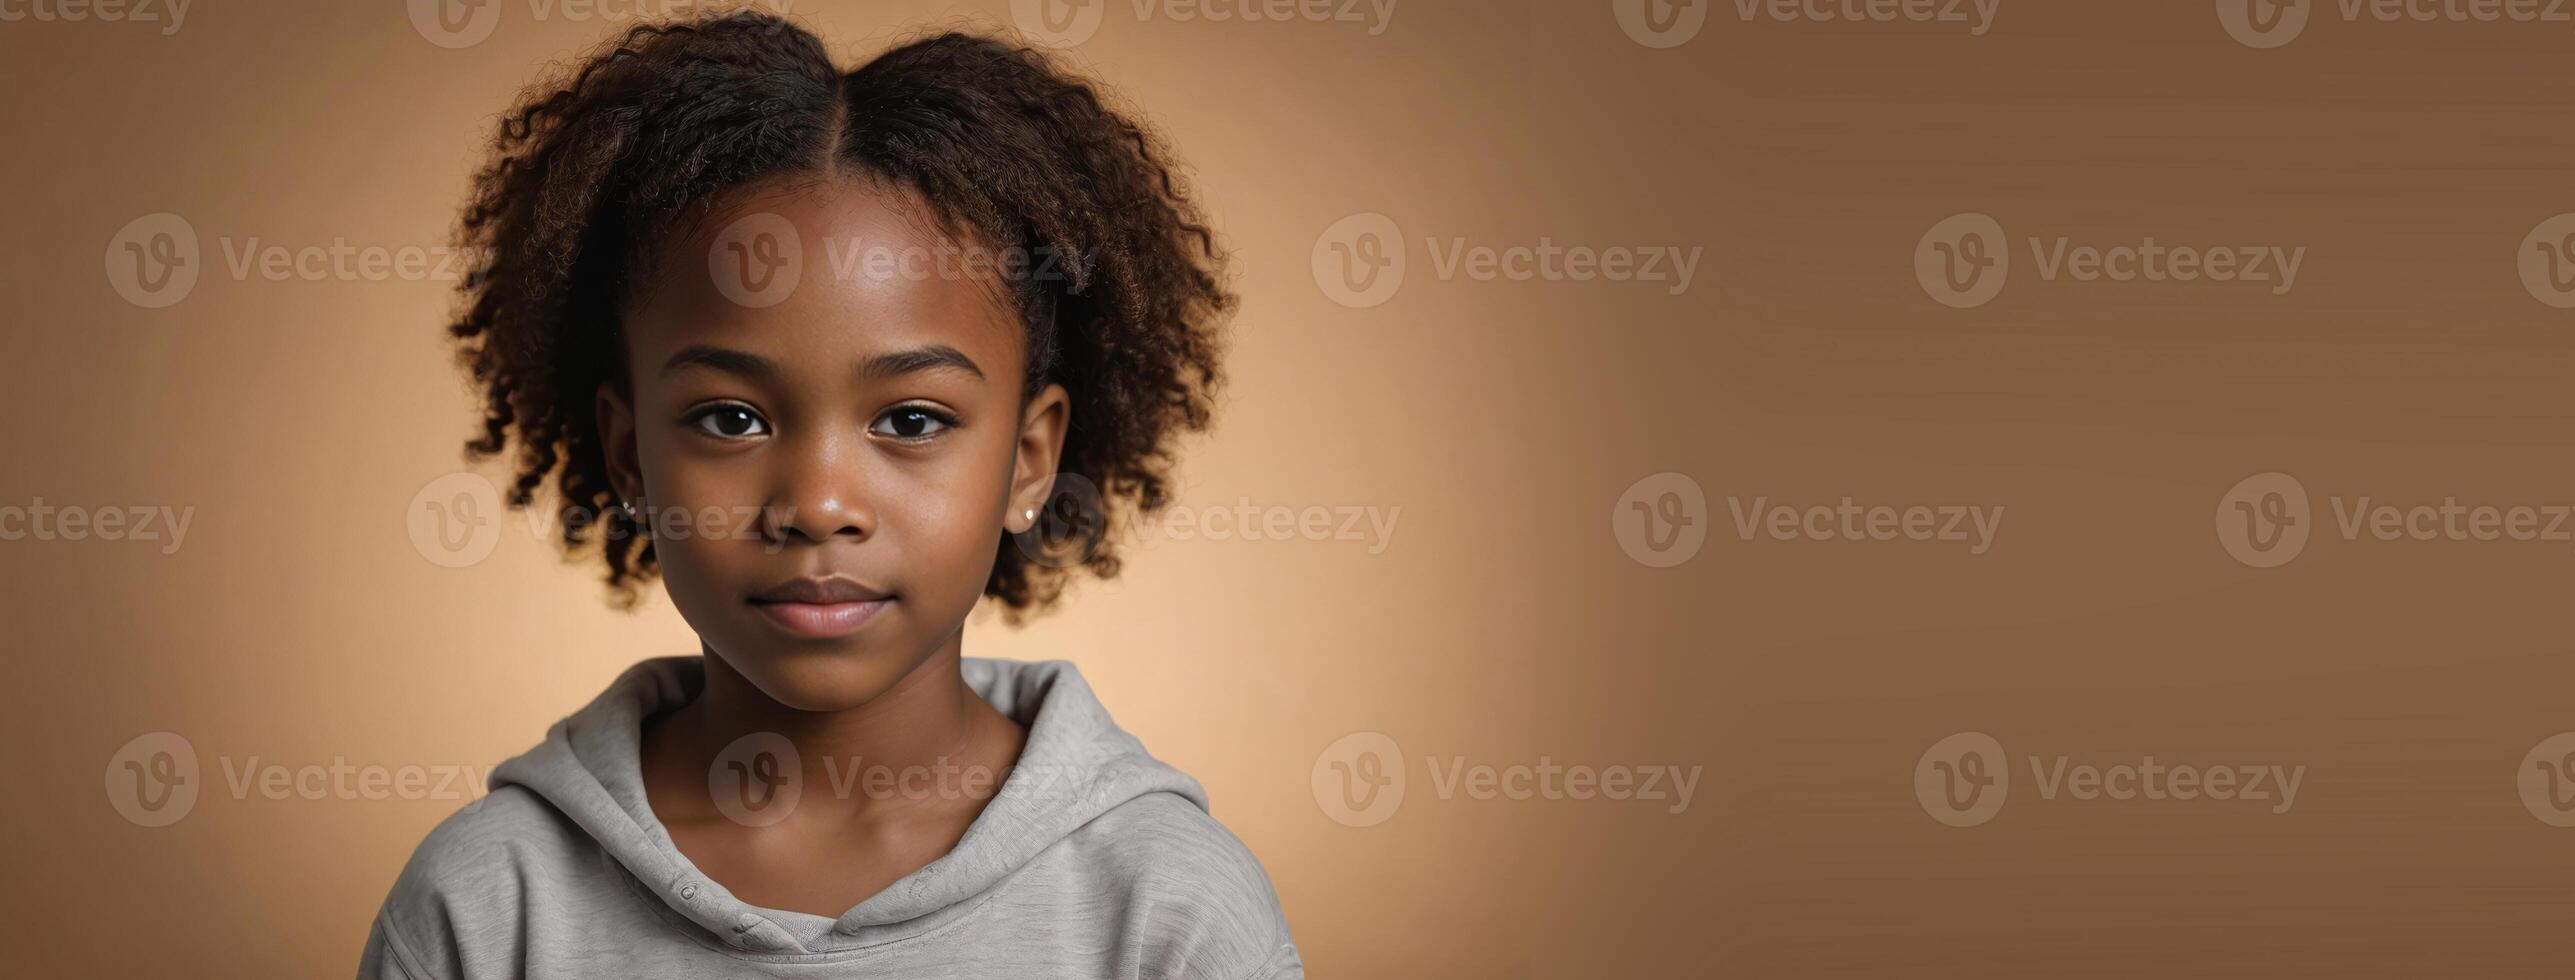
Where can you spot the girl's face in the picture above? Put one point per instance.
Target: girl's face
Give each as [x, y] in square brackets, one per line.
[828, 434]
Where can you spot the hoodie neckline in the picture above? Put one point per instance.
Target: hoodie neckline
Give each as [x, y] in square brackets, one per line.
[1075, 765]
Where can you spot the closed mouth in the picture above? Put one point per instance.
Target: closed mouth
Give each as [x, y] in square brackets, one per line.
[825, 606]
[821, 619]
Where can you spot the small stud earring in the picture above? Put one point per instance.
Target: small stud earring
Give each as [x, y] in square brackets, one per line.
[1032, 514]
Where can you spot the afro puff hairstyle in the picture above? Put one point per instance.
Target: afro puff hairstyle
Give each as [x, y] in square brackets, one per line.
[589, 174]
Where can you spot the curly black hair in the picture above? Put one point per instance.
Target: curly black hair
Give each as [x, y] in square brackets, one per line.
[589, 175]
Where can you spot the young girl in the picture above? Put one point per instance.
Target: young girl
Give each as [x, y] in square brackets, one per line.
[805, 344]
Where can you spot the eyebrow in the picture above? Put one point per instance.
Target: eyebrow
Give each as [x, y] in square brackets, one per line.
[886, 365]
[722, 359]
[931, 358]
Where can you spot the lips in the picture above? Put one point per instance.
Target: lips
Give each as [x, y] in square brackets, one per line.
[832, 589]
[820, 607]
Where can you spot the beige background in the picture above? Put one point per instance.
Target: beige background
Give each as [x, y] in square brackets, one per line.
[1502, 622]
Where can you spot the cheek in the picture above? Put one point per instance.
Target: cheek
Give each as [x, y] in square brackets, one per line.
[698, 482]
[947, 509]
[706, 514]
[703, 502]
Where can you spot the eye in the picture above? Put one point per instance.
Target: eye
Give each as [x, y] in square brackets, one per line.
[911, 422]
[730, 420]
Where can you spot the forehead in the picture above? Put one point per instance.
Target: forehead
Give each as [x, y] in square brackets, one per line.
[823, 273]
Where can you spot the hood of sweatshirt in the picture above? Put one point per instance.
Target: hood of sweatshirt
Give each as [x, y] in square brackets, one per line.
[1076, 765]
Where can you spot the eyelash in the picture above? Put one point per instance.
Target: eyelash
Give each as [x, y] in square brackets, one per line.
[697, 419]
[944, 420]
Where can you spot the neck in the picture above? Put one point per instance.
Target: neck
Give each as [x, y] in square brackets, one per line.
[926, 719]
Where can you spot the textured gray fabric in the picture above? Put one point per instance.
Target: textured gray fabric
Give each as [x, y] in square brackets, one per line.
[1094, 860]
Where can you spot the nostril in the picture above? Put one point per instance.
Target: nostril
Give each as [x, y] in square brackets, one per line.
[816, 523]
[779, 522]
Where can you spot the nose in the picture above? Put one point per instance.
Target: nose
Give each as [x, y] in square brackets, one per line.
[821, 492]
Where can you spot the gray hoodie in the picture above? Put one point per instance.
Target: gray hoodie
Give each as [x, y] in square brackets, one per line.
[1093, 861]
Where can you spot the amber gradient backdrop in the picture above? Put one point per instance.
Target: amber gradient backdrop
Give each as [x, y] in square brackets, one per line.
[1502, 621]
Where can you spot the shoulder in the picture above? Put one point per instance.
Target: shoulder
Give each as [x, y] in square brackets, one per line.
[1199, 901]
[492, 840]
[473, 871]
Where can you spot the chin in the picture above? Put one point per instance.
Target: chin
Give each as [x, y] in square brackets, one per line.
[833, 677]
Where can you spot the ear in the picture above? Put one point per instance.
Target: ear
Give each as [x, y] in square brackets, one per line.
[1041, 448]
[617, 443]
